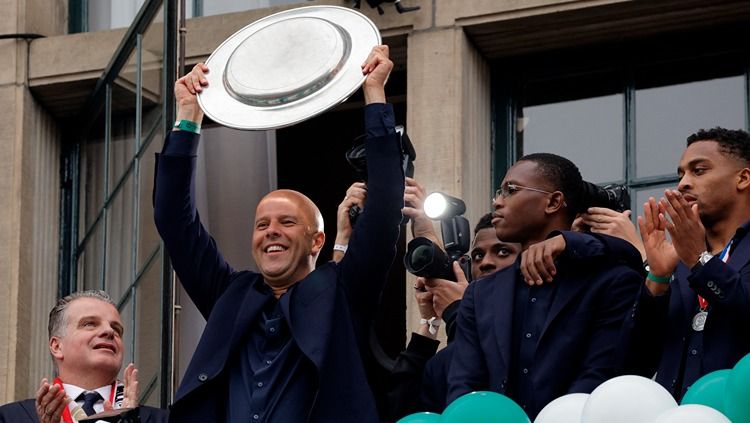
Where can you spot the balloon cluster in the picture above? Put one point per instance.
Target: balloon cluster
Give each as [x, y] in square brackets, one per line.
[476, 407]
[719, 397]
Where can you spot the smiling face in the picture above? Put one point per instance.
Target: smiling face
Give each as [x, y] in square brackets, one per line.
[489, 254]
[710, 177]
[287, 237]
[89, 346]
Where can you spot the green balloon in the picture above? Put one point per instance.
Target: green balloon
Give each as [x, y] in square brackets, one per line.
[708, 390]
[737, 399]
[425, 417]
[484, 407]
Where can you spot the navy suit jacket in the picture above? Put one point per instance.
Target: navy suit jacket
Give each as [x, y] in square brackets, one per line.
[328, 312]
[654, 347]
[576, 350]
[25, 412]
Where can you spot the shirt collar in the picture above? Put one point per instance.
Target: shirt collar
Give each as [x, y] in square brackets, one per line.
[74, 391]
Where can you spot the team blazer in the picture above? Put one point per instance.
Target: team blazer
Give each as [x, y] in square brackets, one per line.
[25, 412]
[659, 327]
[328, 312]
[576, 350]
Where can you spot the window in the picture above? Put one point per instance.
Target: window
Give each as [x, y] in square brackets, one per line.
[623, 111]
[108, 235]
[99, 15]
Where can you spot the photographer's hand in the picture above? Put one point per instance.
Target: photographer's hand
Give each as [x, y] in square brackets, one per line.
[421, 225]
[610, 222]
[445, 292]
[538, 261]
[356, 194]
[426, 310]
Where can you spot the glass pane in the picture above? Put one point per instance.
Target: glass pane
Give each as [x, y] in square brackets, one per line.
[152, 388]
[126, 315]
[107, 14]
[122, 147]
[120, 233]
[665, 116]
[578, 130]
[91, 260]
[148, 322]
[148, 237]
[151, 76]
[216, 7]
[642, 195]
[91, 178]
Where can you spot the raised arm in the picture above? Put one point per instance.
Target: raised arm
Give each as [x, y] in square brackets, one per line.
[202, 270]
[372, 246]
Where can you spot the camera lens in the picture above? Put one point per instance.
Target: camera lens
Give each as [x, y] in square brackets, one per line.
[421, 257]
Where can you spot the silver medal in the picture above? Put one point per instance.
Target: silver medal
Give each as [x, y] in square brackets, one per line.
[699, 321]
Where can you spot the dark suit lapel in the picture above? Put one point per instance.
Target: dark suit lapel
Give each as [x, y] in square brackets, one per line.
[740, 255]
[29, 406]
[247, 313]
[499, 302]
[567, 289]
[309, 311]
[687, 296]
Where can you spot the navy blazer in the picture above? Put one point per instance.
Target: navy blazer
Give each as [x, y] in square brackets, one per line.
[328, 312]
[25, 412]
[576, 350]
[659, 328]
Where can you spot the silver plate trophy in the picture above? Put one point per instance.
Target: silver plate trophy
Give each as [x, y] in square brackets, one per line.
[287, 67]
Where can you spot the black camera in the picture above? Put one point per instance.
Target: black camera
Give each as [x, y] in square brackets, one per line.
[612, 196]
[424, 258]
[356, 158]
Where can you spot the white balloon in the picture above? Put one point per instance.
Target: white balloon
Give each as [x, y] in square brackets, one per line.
[566, 409]
[692, 413]
[627, 399]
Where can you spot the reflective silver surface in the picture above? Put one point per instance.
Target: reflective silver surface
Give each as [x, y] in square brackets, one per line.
[287, 67]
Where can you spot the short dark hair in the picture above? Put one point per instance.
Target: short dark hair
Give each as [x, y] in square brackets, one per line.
[563, 175]
[734, 142]
[485, 222]
[57, 314]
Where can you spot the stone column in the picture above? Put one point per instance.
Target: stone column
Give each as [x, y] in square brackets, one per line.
[29, 205]
[448, 117]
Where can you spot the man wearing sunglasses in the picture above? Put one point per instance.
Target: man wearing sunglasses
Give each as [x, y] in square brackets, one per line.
[536, 341]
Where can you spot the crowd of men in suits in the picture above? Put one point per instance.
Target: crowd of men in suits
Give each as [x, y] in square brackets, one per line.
[551, 310]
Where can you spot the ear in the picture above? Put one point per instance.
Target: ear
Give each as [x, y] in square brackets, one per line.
[55, 348]
[318, 240]
[555, 203]
[743, 179]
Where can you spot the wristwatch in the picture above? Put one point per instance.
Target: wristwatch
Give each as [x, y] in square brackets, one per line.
[705, 257]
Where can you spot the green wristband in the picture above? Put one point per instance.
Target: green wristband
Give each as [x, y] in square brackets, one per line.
[658, 279]
[188, 125]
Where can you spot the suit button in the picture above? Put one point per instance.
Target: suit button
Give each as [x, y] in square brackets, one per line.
[528, 335]
[710, 284]
[693, 352]
[525, 371]
[202, 377]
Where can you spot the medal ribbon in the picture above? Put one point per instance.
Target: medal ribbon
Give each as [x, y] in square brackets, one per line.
[702, 302]
[67, 417]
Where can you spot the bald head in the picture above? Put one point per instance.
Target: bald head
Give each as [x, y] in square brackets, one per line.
[309, 210]
[287, 237]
